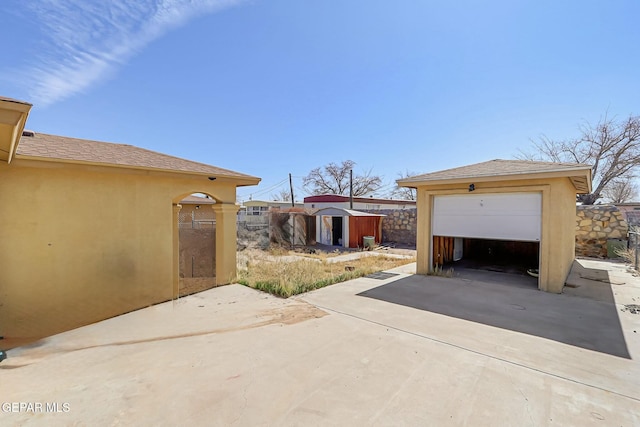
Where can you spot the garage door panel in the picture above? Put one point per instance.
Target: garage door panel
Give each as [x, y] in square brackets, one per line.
[509, 216]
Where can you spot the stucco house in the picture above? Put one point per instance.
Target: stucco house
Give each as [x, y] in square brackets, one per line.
[524, 208]
[90, 229]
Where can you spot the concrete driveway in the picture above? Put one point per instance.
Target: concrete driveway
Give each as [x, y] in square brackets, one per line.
[397, 350]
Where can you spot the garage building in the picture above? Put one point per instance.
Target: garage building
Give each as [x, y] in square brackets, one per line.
[523, 209]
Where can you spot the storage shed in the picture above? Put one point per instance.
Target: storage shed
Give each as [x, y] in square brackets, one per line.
[501, 208]
[346, 227]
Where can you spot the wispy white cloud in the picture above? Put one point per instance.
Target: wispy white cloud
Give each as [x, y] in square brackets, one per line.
[87, 41]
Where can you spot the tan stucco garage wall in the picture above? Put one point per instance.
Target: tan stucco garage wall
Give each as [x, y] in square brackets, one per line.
[558, 222]
[560, 219]
[80, 244]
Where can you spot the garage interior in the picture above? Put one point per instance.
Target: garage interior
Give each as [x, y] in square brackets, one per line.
[503, 256]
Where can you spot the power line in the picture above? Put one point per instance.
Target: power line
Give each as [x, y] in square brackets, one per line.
[266, 190]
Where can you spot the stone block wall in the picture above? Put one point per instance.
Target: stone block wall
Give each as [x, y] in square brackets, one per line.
[398, 226]
[596, 224]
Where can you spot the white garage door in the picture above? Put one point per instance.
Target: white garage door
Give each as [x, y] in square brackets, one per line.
[504, 216]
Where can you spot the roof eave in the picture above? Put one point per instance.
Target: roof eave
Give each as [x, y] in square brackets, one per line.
[13, 114]
[579, 176]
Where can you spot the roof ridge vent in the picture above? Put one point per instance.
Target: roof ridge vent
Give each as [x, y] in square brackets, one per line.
[27, 132]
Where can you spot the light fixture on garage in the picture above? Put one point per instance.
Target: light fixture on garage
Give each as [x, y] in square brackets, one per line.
[472, 187]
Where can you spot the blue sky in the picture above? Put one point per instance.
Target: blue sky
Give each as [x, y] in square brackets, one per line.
[271, 87]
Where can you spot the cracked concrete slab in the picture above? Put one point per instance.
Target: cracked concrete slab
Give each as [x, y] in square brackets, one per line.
[235, 356]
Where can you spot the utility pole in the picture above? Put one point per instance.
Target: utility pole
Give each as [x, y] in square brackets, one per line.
[291, 190]
[351, 189]
[293, 215]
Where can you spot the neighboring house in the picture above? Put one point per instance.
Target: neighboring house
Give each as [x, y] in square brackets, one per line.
[256, 212]
[261, 207]
[520, 208]
[359, 203]
[90, 229]
[347, 228]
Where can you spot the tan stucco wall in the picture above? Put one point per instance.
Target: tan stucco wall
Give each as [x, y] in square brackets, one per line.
[80, 244]
[558, 223]
[561, 240]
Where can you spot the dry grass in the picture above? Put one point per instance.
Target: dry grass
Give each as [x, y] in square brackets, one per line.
[285, 278]
[441, 272]
[628, 255]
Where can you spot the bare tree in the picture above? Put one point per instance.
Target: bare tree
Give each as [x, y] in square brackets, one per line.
[611, 147]
[621, 190]
[282, 195]
[404, 193]
[334, 179]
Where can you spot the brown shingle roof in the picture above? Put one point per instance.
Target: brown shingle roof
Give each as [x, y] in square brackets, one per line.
[506, 169]
[74, 150]
[17, 101]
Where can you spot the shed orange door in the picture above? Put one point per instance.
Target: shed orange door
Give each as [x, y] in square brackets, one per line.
[360, 226]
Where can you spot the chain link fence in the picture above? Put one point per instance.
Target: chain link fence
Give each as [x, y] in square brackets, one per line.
[196, 218]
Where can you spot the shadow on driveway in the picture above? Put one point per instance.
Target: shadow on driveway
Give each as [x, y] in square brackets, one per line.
[574, 319]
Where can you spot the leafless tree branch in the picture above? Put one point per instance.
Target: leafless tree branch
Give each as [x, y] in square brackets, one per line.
[405, 193]
[611, 147]
[282, 195]
[621, 190]
[334, 179]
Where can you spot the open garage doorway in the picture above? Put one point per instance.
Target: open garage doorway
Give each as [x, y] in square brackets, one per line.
[500, 256]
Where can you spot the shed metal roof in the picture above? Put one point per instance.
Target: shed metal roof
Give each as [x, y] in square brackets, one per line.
[338, 198]
[343, 212]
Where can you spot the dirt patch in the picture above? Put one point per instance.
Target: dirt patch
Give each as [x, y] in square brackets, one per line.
[292, 314]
